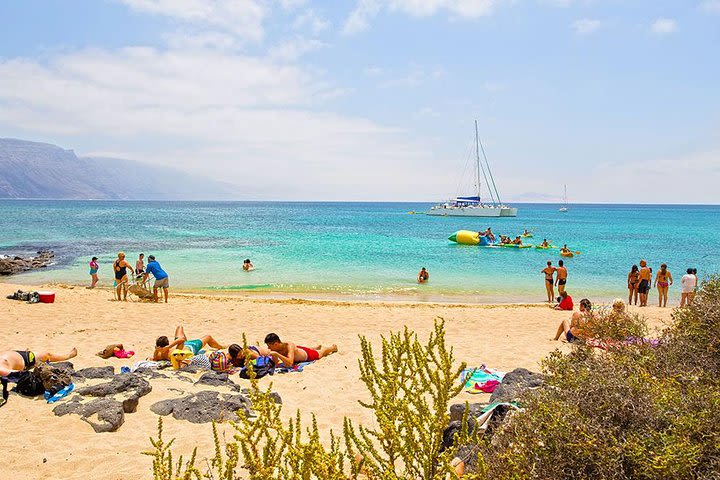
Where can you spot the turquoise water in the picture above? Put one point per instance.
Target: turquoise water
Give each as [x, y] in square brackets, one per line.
[361, 249]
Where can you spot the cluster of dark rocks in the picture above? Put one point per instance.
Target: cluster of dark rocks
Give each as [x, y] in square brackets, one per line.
[104, 404]
[13, 265]
[514, 385]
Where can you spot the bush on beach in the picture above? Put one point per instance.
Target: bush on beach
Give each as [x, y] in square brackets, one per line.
[639, 410]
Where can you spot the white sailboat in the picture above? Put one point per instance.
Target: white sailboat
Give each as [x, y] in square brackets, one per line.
[473, 206]
[564, 208]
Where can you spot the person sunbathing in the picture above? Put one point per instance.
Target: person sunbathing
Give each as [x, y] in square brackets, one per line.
[291, 354]
[575, 328]
[237, 355]
[21, 360]
[163, 346]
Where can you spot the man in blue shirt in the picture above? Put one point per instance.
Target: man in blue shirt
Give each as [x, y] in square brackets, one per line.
[161, 278]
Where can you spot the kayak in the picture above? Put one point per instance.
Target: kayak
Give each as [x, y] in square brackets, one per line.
[567, 254]
[540, 247]
[527, 235]
[513, 245]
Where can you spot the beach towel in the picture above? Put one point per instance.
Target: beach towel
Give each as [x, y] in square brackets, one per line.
[298, 367]
[62, 393]
[148, 364]
[123, 353]
[481, 380]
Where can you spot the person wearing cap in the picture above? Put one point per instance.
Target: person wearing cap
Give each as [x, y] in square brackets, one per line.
[162, 280]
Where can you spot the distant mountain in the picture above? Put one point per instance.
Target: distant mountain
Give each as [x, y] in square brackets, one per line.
[41, 170]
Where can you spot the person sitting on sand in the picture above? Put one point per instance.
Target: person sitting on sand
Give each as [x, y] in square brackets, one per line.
[247, 265]
[423, 276]
[545, 243]
[291, 354]
[163, 346]
[575, 328]
[120, 267]
[565, 302]
[21, 360]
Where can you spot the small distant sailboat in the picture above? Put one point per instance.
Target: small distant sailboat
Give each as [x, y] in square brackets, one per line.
[564, 208]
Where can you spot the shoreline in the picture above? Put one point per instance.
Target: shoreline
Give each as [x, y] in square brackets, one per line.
[280, 296]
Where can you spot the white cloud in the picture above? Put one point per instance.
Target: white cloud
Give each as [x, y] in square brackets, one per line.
[230, 116]
[586, 26]
[373, 71]
[415, 77]
[292, 4]
[663, 26]
[365, 10]
[360, 17]
[212, 40]
[712, 6]
[312, 21]
[291, 50]
[242, 18]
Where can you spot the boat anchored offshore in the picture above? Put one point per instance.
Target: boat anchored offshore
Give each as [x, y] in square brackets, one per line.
[473, 206]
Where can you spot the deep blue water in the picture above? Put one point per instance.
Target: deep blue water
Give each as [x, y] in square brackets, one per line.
[360, 248]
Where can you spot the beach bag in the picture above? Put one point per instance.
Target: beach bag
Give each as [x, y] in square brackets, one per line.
[29, 384]
[53, 379]
[219, 361]
[262, 366]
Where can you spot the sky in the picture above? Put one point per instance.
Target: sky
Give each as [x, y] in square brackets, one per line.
[376, 99]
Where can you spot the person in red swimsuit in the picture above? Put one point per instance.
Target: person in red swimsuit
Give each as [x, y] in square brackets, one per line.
[291, 354]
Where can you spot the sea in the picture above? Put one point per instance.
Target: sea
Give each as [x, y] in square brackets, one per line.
[360, 250]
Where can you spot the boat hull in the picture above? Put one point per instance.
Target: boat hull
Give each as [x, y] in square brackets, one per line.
[466, 212]
[508, 212]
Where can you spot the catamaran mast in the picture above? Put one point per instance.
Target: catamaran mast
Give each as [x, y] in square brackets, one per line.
[478, 146]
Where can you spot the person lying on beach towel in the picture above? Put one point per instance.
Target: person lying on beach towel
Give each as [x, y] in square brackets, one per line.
[163, 346]
[22, 360]
[291, 354]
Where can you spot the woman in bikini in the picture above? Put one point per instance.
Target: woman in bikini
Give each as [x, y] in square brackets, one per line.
[549, 271]
[633, 279]
[120, 267]
[663, 280]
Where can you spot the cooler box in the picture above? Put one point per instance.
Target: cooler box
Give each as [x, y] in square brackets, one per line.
[47, 297]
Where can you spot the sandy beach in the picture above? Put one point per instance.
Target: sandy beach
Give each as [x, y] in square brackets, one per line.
[39, 444]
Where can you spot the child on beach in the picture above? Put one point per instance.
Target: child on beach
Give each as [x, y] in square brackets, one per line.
[94, 267]
[247, 265]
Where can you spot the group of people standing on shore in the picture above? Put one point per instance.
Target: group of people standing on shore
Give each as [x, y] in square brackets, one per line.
[640, 281]
[139, 273]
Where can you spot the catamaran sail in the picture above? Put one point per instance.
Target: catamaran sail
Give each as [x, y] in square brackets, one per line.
[473, 206]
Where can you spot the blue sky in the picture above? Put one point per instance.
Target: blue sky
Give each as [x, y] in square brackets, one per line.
[375, 99]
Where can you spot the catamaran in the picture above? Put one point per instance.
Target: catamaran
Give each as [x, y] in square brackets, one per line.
[564, 208]
[473, 206]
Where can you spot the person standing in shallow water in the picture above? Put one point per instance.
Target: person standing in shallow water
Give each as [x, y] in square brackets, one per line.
[561, 278]
[549, 271]
[633, 280]
[663, 280]
[94, 267]
[645, 276]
